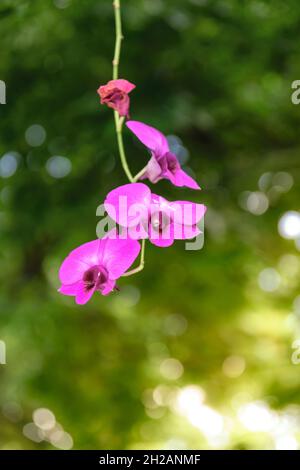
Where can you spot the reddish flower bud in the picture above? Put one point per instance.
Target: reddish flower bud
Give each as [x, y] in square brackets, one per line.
[115, 95]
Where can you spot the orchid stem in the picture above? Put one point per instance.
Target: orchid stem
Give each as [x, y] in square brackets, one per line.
[139, 174]
[119, 121]
[119, 38]
[119, 126]
[141, 265]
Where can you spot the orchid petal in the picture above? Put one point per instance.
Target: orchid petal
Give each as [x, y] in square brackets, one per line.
[83, 295]
[162, 241]
[182, 232]
[153, 171]
[127, 205]
[181, 178]
[123, 85]
[187, 213]
[149, 136]
[79, 260]
[71, 289]
[119, 256]
[108, 287]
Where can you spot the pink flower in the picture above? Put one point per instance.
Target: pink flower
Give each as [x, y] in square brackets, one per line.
[163, 163]
[115, 95]
[147, 215]
[95, 266]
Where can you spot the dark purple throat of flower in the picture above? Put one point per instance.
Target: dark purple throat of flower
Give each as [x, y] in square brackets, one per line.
[172, 163]
[167, 162]
[95, 278]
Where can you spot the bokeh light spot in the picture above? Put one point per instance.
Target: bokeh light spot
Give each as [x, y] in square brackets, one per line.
[35, 135]
[58, 167]
[269, 280]
[233, 366]
[171, 369]
[289, 225]
[9, 164]
[44, 419]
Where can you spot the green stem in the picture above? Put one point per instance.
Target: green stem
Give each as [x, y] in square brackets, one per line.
[139, 174]
[119, 38]
[119, 121]
[119, 126]
[141, 265]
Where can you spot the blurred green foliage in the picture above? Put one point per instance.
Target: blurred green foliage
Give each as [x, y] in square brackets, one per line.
[217, 74]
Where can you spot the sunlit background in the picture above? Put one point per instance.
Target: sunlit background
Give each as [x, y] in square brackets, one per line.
[200, 350]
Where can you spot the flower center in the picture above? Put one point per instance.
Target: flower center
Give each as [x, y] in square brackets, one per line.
[95, 277]
[172, 162]
[159, 221]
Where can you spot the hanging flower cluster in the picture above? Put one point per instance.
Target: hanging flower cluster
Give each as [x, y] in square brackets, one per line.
[139, 213]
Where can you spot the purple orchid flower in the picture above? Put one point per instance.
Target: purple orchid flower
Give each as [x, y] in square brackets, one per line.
[147, 215]
[95, 266]
[163, 163]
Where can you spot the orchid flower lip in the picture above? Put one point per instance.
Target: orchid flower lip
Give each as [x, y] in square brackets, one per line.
[95, 277]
